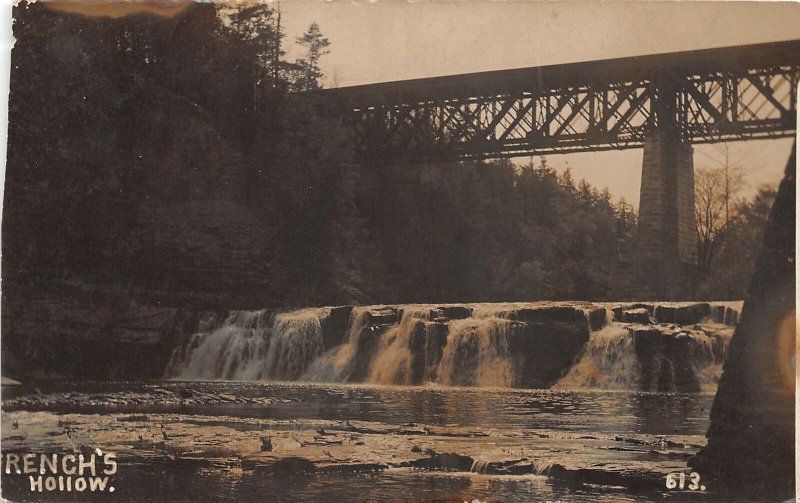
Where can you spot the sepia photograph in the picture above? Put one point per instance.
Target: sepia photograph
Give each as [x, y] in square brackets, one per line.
[462, 251]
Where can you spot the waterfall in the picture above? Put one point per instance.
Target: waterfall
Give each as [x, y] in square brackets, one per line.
[251, 346]
[607, 362]
[708, 354]
[336, 364]
[296, 341]
[477, 353]
[684, 361]
[393, 362]
[512, 344]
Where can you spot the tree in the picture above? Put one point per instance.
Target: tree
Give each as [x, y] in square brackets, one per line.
[736, 248]
[709, 206]
[716, 188]
[308, 75]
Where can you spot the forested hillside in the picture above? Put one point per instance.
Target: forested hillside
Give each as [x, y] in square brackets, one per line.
[180, 161]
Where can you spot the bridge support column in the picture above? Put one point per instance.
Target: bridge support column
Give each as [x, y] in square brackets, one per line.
[667, 239]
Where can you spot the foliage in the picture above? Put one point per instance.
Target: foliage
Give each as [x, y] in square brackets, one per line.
[736, 247]
[308, 75]
[492, 231]
[167, 160]
[714, 204]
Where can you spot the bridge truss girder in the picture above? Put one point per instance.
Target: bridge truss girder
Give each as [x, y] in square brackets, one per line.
[604, 112]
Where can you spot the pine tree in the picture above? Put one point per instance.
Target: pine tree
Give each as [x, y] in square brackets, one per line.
[308, 73]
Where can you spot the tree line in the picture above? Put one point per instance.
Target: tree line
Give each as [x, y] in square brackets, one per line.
[178, 161]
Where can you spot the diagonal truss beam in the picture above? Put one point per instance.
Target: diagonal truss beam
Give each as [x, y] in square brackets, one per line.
[733, 93]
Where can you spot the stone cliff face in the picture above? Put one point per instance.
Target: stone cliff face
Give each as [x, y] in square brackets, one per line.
[751, 440]
[99, 342]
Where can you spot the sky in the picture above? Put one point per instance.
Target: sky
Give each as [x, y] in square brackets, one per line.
[386, 40]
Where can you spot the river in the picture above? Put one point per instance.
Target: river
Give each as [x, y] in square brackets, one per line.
[484, 402]
[202, 441]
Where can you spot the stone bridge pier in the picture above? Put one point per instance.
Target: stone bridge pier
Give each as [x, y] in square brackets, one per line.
[667, 240]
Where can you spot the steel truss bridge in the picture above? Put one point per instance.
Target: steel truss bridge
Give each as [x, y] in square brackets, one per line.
[704, 96]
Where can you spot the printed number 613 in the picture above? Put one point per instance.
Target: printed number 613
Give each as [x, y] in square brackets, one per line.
[678, 481]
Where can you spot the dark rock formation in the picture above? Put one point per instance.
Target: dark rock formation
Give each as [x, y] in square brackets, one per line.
[639, 315]
[102, 341]
[565, 314]
[542, 349]
[597, 318]
[683, 315]
[446, 461]
[455, 312]
[435, 340]
[334, 326]
[293, 464]
[665, 359]
[416, 345]
[750, 451]
[731, 317]
[669, 356]
[384, 316]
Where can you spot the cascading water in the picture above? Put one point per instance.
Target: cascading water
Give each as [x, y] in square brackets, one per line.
[296, 342]
[393, 360]
[477, 353]
[336, 364]
[708, 354]
[252, 345]
[673, 360]
[233, 350]
[527, 345]
[608, 362]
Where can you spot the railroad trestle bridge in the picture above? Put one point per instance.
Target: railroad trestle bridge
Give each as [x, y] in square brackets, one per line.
[662, 103]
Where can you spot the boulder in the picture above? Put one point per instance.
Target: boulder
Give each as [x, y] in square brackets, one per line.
[339, 317]
[663, 358]
[692, 314]
[665, 314]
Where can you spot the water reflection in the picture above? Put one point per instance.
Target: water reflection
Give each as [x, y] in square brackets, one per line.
[613, 412]
[554, 424]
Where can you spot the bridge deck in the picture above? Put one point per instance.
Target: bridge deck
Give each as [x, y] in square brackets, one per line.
[707, 95]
